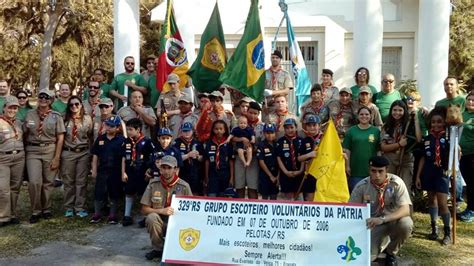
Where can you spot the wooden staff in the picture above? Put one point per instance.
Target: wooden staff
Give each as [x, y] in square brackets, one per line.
[402, 150]
[300, 187]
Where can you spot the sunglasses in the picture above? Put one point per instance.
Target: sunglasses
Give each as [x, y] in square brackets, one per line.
[362, 73]
[22, 97]
[410, 99]
[74, 104]
[93, 87]
[44, 97]
[130, 63]
[388, 81]
[102, 106]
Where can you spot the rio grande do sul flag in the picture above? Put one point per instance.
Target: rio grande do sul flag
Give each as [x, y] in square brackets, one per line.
[172, 54]
[245, 70]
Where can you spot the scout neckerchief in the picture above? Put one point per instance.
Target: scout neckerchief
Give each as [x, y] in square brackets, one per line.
[318, 108]
[219, 142]
[253, 123]
[292, 150]
[187, 143]
[168, 186]
[74, 127]
[93, 105]
[274, 73]
[279, 117]
[342, 109]
[42, 116]
[11, 122]
[397, 132]
[134, 145]
[317, 138]
[101, 128]
[381, 190]
[437, 136]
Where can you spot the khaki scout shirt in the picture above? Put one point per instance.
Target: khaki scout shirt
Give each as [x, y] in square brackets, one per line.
[170, 101]
[278, 120]
[178, 120]
[343, 119]
[53, 125]
[84, 133]
[395, 195]
[88, 108]
[9, 141]
[155, 194]
[283, 81]
[127, 113]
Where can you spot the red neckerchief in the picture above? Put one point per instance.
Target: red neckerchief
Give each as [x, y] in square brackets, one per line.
[42, 117]
[93, 105]
[253, 123]
[219, 143]
[74, 129]
[11, 122]
[292, 151]
[279, 115]
[318, 108]
[381, 191]
[342, 109]
[187, 143]
[274, 73]
[134, 145]
[316, 138]
[168, 186]
[437, 136]
[397, 132]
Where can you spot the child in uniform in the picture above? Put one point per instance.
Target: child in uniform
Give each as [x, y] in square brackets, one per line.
[164, 146]
[291, 169]
[136, 160]
[269, 171]
[219, 160]
[243, 130]
[106, 162]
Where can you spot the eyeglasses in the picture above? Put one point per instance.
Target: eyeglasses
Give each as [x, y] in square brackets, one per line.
[410, 99]
[388, 81]
[22, 97]
[93, 87]
[44, 97]
[129, 63]
[102, 106]
[362, 73]
[74, 104]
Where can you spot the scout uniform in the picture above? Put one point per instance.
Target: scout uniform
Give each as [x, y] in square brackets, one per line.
[177, 121]
[191, 169]
[394, 195]
[75, 164]
[343, 115]
[287, 150]
[433, 177]
[92, 109]
[137, 154]
[275, 81]
[127, 113]
[12, 161]
[158, 196]
[309, 144]
[160, 152]
[329, 92]
[376, 118]
[266, 152]
[40, 134]
[321, 110]
[170, 98]
[277, 119]
[219, 156]
[226, 115]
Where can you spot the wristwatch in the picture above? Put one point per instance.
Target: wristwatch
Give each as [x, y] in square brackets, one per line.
[382, 218]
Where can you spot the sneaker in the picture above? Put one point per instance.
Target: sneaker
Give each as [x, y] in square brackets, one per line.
[467, 216]
[142, 223]
[69, 213]
[127, 220]
[154, 254]
[446, 240]
[112, 219]
[82, 214]
[47, 215]
[34, 218]
[390, 260]
[95, 219]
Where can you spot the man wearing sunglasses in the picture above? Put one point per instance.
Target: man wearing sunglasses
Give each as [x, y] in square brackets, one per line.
[4, 92]
[384, 98]
[91, 105]
[129, 78]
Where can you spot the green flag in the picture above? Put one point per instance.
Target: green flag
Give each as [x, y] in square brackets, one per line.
[245, 70]
[212, 58]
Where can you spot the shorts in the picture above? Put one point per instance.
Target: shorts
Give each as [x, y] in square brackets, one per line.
[289, 184]
[266, 186]
[309, 184]
[246, 176]
[136, 183]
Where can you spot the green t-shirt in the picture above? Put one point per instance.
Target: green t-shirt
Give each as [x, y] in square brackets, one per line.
[2, 104]
[423, 124]
[356, 89]
[384, 100]
[105, 89]
[461, 100]
[154, 92]
[21, 114]
[59, 106]
[467, 137]
[363, 144]
[119, 82]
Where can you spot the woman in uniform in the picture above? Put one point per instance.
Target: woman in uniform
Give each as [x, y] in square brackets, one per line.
[44, 137]
[75, 158]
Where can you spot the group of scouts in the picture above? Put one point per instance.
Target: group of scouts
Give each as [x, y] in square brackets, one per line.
[156, 146]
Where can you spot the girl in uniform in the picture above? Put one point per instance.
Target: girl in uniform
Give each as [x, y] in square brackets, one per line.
[269, 171]
[219, 160]
[75, 157]
[44, 137]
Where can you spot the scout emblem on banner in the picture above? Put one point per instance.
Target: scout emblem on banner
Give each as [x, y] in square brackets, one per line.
[189, 238]
[349, 250]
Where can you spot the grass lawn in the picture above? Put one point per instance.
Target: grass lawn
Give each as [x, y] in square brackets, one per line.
[18, 240]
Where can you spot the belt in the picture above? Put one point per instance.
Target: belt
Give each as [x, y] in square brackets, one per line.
[76, 149]
[10, 152]
[39, 144]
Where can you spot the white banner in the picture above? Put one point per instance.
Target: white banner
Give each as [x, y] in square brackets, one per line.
[251, 232]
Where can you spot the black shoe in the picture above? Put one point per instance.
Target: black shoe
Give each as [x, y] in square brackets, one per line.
[127, 220]
[57, 183]
[47, 215]
[14, 221]
[34, 218]
[2, 224]
[390, 260]
[153, 254]
[142, 223]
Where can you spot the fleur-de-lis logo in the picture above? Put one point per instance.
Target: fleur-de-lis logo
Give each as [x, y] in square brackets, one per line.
[349, 249]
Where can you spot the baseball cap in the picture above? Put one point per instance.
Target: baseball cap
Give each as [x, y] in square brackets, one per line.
[11, 100]
[172, 78]
[187, 127]
[164, 132]
[230, 192]
[378, 161]
[310, 118]
[185, 98]
[345, 89]
[203, 94]
[365, 89]
[169, 160]
[216, 94]
[47, 92]
[107, 101]
[113, 121]
[289, 122]
[269, 128]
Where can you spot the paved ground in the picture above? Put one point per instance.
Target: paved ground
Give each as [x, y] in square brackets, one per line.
[108, 245]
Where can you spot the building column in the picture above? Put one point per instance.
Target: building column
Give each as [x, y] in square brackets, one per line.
[368, 38]
[126, 33]
[433, 49]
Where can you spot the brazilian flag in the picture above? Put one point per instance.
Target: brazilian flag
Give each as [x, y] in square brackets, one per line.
[245, 70]
[212, 57]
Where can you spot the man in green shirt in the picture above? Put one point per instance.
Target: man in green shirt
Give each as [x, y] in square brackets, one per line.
[60, 104]
[99, 76]
[384, 98]
[4, 92]
[452, 94]
[129, 78]
[147, 74]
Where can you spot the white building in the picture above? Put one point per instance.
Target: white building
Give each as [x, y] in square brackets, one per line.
[409, 38]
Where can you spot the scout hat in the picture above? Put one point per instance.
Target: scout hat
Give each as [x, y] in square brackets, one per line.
[113, 121]
[289, 122]
[203, 94]
[169, 160]
[186, 127]
[365, 89]
[310, 118]
[328, 71]
[107, 101]
[172, 78]
[164, 132]
[185, 98]
[216, 94]
[345, 89]
[11, 100]
[269, 128]
[378, 161]
[47, 92]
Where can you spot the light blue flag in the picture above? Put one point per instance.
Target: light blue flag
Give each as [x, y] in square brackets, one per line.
[302, 80]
